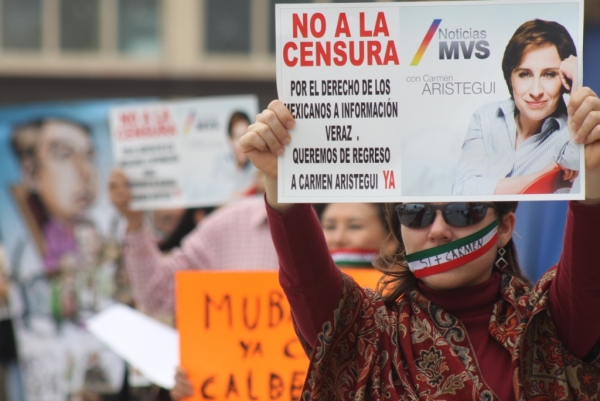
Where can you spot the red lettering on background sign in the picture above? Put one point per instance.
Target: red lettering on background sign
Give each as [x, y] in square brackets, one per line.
[145, 123]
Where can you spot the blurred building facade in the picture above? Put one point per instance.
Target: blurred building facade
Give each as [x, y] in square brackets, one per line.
[73, 49]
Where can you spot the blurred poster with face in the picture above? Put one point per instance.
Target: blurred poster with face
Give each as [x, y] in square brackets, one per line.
[59, 234]
[185, 153]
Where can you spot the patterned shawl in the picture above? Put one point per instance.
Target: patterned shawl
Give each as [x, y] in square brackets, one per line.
[416, 350]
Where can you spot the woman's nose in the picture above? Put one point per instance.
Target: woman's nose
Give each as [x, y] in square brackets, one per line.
[337, 239]
[440, 230]
[536, 90]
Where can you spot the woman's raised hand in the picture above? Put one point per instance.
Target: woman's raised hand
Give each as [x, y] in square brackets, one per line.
[584, 123]
[120, 196]
[267, 137]
[568, 74]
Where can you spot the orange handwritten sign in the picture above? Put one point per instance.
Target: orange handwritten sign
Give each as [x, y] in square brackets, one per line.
[236, 336]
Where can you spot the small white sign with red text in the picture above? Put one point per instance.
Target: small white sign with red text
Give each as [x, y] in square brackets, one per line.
[183, 153]
[429, 101]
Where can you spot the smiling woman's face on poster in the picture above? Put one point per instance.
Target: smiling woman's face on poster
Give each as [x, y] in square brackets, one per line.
[536, 83]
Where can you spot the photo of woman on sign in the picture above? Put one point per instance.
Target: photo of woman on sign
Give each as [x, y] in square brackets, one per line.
[522, 145]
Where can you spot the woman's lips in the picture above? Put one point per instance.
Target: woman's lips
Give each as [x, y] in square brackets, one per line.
[537, 105]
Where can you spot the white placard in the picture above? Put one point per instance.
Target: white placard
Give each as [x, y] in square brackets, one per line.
[407, 101]
[148, 345]
[181, 153]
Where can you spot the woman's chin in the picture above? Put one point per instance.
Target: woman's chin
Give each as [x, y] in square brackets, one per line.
[536, 114]
[469, 274]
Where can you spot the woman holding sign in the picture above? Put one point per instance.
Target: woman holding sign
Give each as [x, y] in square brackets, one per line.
[512, 143]
[455, 318]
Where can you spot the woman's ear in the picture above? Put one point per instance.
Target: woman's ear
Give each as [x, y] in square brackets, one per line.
[506, 226]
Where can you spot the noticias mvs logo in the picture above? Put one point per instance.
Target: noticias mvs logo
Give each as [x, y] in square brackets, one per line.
[452, 49]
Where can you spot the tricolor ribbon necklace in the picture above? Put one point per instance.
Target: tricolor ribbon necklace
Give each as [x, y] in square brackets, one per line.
[453, 254]
[354, 257]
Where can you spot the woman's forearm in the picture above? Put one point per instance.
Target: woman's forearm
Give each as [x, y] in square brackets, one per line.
[271, 192]
[574, 296]
[308, 276]
[592, 187]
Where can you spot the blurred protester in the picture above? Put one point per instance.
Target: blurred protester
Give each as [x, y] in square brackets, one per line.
[233, 168]
[354, 232]
[235, 237]
[173, 225]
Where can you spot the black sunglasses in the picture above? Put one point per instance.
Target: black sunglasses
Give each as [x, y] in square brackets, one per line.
[457, 214]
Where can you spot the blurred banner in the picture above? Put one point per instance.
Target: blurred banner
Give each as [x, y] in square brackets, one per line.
[236, 335]
[59, 232]
[185, 153]
[155, 354]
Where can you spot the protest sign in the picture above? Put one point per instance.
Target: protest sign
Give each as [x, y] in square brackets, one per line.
[414, 101]
[236, 336]
[154, 354]
[184, 153]
[60, 233]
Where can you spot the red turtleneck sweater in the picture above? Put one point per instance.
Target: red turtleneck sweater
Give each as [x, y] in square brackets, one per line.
[473, 307]
[313, 287]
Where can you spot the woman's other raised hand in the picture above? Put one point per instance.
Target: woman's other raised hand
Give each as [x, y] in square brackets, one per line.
[584, 123]
[264, 141]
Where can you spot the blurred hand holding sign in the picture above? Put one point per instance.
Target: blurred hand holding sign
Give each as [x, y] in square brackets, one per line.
[184, 153]
[237, 341]
[396, 102]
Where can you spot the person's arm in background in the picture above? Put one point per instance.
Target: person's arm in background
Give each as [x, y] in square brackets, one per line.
[574, 297]
[308, 276]
[152, 274]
